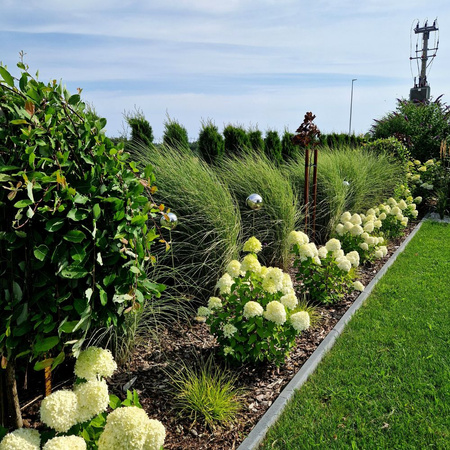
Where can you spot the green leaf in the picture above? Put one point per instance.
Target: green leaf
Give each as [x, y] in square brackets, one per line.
[40, 252]
[96, 210]
[74, 272]
[18, 122]
[67, 327]
[75, 236]
[54, 225]
[8, 79]
[114, 401]
[43, 364]
[74, 99]
[77, 214]
[23, 203]
[17, 292]
[46, 344]
[59, 359]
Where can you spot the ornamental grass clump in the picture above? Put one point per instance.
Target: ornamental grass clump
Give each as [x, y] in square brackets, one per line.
[324, 274]
[255, 316]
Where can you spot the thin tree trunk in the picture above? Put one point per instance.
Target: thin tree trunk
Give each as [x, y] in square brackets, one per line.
[3, 402]
[14, 416]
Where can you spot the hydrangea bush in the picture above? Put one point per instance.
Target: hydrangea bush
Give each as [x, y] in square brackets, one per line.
[324, 274]
[79, 419]
[255, 317]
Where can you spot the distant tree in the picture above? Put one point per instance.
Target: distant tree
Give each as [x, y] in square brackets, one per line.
[175, 135]
[288, 149]
[272, 146]
[236, 140]
[211, 145]
[141, 130]
[256, 140]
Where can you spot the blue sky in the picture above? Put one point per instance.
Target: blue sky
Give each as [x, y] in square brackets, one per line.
[254, 63]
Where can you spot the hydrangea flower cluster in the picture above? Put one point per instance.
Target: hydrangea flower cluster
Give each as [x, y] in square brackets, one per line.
[130, 428]
[324, 274]
[126, 427]
[21, 439]
[255, 316]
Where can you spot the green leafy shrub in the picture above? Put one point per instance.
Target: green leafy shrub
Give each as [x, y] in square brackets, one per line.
[255, 318]
[288, 149]
[206, 392]
[141, 130]
[425, 125]
[326, 274]
[236, 140]
[338, 140]
[390, 146]
[272, 146]
[76, 223]
[175, 135]
[256, 141]
[211, 145]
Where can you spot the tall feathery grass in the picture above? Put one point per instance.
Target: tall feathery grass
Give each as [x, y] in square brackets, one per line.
[255, 173]
[207, 235]
[348, 179]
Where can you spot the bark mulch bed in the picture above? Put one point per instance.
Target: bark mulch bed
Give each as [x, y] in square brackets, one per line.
[146, 373]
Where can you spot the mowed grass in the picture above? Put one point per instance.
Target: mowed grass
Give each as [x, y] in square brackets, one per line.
[386, 382]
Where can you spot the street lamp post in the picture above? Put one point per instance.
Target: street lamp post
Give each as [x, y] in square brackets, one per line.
[351, 105]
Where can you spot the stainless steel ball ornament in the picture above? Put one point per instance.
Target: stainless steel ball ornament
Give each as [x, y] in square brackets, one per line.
[254, 201]
[169, 220]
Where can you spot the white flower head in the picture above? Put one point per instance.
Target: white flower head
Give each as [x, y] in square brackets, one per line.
[275, 312]
[253, 309]
[289, 300]
[95, 362]
[273, 280]
[297, 237]
[322, 252]
[353, 257]
[229, 330]
[364, 246]
[214, 303]
[355, 219]
[203, 311]
[356, 230]
[343, 264]
[300, 321]
[252, 245]
[348, 226]
[92, 399]
[340, 230]
[333, 244]
[21, 439]
[369, 227]
[225, 282]
[345, 217]
[65, 443]
[234, 268]
[60, 410]
[250, 263]
[358, 286]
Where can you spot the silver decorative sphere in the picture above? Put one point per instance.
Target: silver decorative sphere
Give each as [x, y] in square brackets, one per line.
[169, 220]
[254, 201]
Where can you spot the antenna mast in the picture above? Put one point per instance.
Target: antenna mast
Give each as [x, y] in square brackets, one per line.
[421, 90]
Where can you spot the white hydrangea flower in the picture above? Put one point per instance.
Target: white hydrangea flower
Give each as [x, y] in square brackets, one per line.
[225, 282]
[382, 216]
[371, 240]
[364, 246]
[353, 257]
[21, 439]
[65, 443]
[399, 217]
[316, 260]
[414, 213]
[95, 362]
[297, 237]
[355, 219]
[377, 223]
[380, 240]
[369, 227]
[430, 162]
[392, 202]
[348, 226]
[307, 251]
[322, 252]
[233, 268]
[275, 312]
[289, 300]
[333, 244]
[371, 212]
[300, 321]
[229, 330]
[404, 222]
[252, 245]
[422, 169]
[93, 399]
[273, 280]
[358, 286]
[356, 230]
[418, 200]
[343, 264]
[129, 428]
[384, 250]
[378, 254]
[203, 311]
[287, 285]
[340, 230]
[402, 204]
[338, 253]
[250, 263]
[345, 217]
[60, 410]
[214, 303]
[253, 309]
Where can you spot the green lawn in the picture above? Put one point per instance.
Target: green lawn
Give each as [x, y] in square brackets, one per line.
[386, 382]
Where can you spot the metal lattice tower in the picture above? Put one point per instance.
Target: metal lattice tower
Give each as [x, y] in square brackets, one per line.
[421, 90]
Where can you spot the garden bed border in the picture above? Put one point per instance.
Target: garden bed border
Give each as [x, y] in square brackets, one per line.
[255, 437]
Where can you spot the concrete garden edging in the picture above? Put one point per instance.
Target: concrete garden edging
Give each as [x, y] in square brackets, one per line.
[255, 437]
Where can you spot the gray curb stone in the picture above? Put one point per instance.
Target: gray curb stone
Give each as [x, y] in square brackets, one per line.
[258, 433]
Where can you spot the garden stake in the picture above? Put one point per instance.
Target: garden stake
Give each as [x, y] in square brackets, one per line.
[48, 380]
[170, 220]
